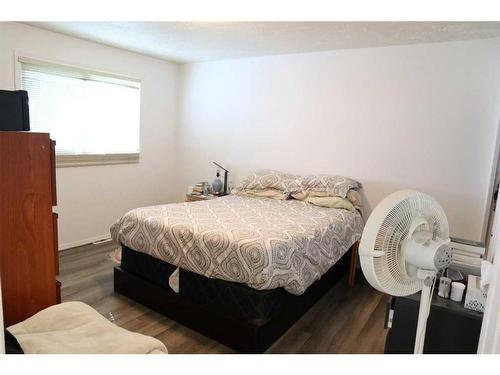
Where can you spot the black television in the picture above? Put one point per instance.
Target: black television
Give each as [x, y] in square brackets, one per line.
[14, 110]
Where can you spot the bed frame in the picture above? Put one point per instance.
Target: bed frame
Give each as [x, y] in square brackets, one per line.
[244, 335]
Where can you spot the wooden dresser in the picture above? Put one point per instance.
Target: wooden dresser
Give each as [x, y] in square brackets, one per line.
[28, 228]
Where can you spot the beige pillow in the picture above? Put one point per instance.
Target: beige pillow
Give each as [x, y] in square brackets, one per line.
[269, 193]
[331, 202]
[302, 195]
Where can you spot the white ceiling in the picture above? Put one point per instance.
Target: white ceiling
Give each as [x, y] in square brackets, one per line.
[203, 41]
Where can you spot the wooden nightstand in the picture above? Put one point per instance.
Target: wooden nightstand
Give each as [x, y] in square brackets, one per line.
[197, 197]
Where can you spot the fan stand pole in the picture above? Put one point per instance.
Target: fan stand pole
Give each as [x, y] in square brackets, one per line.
[423, 312]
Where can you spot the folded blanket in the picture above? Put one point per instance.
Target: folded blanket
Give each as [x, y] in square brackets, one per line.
[76, 328]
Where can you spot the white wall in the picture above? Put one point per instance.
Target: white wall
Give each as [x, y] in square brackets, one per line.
[421, 116]
[90, 199]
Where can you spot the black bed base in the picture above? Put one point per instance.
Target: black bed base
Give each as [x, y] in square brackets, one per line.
[243, 333]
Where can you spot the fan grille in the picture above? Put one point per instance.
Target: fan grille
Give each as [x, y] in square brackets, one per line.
[392, 274]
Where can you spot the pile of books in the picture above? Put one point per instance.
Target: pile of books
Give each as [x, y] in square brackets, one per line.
[199, 188]
[467, 256]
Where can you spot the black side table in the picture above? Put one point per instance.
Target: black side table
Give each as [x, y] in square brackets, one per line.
[451, 328]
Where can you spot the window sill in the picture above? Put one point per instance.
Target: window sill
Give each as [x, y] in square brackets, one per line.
[64, 161]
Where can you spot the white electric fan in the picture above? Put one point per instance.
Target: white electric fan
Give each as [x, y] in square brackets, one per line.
[404, 244]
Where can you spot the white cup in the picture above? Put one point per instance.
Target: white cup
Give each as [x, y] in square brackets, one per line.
[444, 287]
[457, 291]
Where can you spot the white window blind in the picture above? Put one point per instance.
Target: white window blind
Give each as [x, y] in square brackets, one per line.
[86, 112]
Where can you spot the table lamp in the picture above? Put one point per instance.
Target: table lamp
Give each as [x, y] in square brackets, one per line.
[224, 190]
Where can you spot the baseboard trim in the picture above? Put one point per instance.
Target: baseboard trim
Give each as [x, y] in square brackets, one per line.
[86, 241]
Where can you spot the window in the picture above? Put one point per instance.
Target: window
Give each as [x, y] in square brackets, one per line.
[94, 117]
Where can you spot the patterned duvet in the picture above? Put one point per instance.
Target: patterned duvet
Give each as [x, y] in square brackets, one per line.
[261, 242]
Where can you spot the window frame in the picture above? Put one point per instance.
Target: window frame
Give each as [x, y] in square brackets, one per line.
[80, 160]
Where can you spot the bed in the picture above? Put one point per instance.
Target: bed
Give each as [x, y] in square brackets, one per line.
[238, 269]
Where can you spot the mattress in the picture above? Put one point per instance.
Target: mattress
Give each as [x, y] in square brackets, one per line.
[225, 298]
[263, 243]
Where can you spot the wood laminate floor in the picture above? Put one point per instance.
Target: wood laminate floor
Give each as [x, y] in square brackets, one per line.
[345, 320]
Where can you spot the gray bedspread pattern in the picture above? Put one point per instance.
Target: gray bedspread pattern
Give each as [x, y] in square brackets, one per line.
[261, 242]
